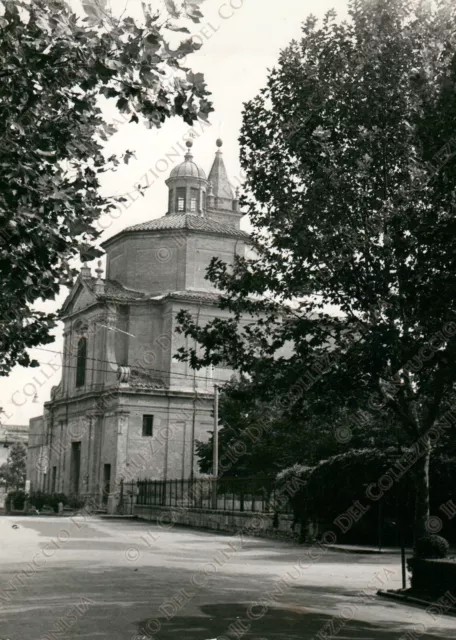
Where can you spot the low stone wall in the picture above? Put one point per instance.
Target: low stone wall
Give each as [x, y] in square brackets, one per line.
[256, 524]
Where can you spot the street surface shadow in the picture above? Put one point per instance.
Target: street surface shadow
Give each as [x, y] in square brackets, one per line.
[48, 528]
[331, 557]
[278, 623]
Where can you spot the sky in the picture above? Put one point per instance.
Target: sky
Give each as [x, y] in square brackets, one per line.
[241, 41]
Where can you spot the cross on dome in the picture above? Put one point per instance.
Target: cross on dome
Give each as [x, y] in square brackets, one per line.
[189, 155]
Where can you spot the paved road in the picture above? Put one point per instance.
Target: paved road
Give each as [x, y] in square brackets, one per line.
[129, 580]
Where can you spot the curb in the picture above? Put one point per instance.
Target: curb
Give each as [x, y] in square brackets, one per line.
[105, 516]
[369, 551]
[412, 600]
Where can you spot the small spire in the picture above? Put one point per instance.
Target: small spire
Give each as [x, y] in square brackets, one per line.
[85, 271]
[99, 286]
[99, 271]
[236, 199]
[189, 155]
[218, 176]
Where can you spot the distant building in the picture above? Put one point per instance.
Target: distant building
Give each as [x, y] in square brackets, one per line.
[125, 408]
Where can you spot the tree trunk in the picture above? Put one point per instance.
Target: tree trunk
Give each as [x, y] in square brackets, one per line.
[421, 478]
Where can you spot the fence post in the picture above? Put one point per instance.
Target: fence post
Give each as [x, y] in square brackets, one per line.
[380, 525]
[214, 493]
[121, 497]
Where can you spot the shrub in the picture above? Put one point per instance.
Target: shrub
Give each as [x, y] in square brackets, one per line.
[434, 577]
[55, 499]
[76, 502]
[40, 499]
[431, 546]
[18, 497]
[296, 471]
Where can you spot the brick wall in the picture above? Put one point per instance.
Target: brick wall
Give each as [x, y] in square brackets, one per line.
[160, 261]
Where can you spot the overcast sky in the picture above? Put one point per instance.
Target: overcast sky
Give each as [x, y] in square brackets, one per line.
[241, 41]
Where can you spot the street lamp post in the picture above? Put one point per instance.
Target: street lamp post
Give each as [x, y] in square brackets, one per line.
[400, 494]
[215, 452]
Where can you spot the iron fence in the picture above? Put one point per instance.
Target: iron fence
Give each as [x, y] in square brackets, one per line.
[223, 494]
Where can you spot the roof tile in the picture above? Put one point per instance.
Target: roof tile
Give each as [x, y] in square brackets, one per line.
[187, 221]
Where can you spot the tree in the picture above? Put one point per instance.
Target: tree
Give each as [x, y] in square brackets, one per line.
[351, 176]
[56, 69]
[13, 472]
[3, 472]
[259, 436]
[250, 435]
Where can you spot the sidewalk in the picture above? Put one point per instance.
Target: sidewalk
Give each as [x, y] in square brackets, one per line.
[352, 548]
[408, 597]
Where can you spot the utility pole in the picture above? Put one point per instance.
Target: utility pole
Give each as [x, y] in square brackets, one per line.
[215, 451]
[215, 460]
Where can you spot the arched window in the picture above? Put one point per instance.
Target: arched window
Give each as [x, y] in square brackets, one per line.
[81, 362]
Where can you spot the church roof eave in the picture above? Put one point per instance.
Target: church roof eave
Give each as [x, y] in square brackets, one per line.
[113, 291]
[180, 222]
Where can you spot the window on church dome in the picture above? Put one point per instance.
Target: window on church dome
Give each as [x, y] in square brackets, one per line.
[180, 199]
[170, 200]
[194, 193]
[148, 426]
[81, 362]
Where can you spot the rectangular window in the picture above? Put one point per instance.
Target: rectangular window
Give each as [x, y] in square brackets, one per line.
[54, 479]
[180, 199]
[194, 193]
[148, 426]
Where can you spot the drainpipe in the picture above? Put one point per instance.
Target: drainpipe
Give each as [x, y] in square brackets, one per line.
[195, 395]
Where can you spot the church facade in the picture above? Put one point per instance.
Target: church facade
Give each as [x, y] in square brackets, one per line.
[125, 407]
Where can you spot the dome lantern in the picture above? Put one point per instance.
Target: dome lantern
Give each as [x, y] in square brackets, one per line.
[187, 185]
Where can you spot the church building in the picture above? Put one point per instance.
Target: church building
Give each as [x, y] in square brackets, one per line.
[125, 407]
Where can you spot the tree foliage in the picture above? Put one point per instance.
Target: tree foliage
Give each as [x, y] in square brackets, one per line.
[13, 472]
[255, 437]
[263, 437]
[351, 176]
[56, 68]
[332, 486]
